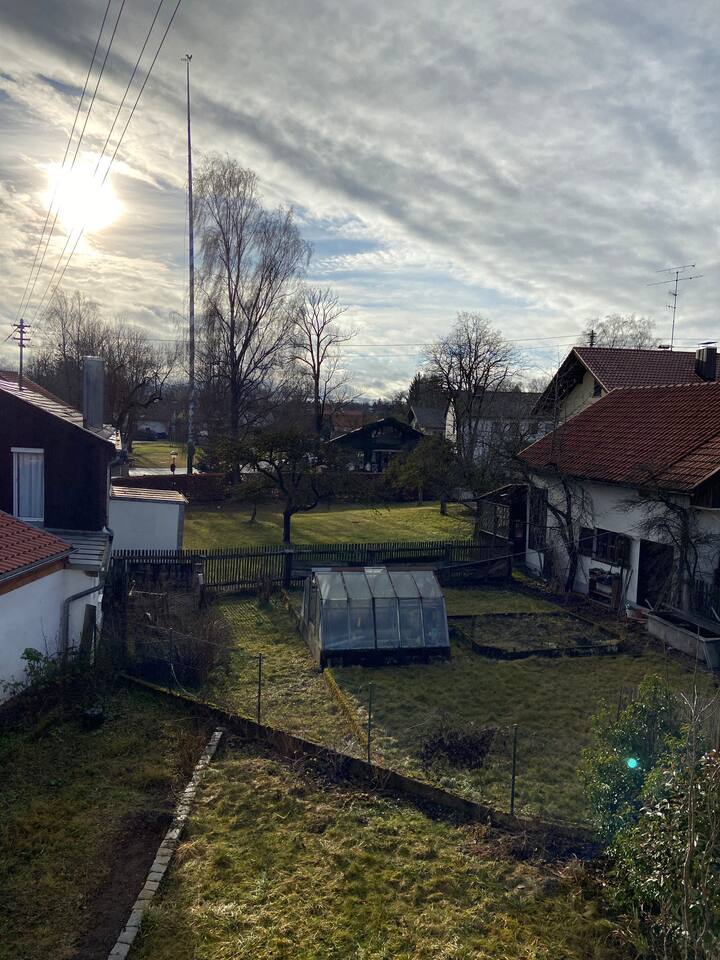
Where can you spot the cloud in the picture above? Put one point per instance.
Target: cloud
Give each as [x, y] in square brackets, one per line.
[534, 162]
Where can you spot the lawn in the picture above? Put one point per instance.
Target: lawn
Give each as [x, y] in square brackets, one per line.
[67, 797]
[226, 524]
[278, 863]
[418, 707]
[157, 453]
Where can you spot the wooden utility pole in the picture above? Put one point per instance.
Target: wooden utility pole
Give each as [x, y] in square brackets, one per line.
[20, 336]
[191, 295]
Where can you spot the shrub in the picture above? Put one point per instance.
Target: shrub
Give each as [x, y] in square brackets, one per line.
[624, 751]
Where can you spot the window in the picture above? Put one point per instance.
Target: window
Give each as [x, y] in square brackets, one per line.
[612, 547]
[585, 543]
[28, 484]
[538, 519]
[597, 389]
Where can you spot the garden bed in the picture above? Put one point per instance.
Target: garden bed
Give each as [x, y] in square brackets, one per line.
[513, 636]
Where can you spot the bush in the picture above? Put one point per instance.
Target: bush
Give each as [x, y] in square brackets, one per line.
[625, 749]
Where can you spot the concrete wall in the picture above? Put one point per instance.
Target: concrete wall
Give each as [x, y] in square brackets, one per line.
[30, 617]
[146, 524]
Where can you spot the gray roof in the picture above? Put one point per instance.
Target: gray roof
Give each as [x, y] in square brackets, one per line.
[498, 404]
[428, 418]
[44, 400]
[89, 548]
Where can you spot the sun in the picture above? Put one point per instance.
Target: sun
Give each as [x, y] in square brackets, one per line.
[80, 199]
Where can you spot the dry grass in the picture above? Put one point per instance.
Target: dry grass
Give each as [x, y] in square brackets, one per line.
[279, 865]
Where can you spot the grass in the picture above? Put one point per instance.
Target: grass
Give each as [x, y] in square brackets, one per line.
[226, 524]
[552, 701]
[279, 864]
[66, 794]
[157, 453]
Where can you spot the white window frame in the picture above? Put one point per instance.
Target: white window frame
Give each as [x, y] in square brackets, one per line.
[15, 451]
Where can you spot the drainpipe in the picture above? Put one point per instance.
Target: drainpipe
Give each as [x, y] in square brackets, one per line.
[65, 616]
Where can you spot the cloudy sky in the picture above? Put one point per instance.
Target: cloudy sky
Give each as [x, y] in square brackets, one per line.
[535, 162]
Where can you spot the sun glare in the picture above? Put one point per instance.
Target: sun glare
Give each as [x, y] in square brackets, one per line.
[81, 200]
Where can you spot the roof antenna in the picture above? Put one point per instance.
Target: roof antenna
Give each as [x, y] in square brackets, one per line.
[674, 292]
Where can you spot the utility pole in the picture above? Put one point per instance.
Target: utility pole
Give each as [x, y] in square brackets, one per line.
[19, 335]
[191, 296]
[675, 280]
[592, 338]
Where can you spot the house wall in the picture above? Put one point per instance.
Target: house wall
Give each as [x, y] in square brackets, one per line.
[608, 507]
[580, 397]
[30, 617]
[76, 465]
[146, 525]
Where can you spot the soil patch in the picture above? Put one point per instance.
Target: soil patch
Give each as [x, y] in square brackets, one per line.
[130, 854]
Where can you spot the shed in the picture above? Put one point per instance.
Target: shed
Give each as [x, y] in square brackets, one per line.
[373, 613]
[145, 519]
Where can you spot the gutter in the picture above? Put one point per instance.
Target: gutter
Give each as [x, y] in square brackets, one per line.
[65, 615]
[20, 571]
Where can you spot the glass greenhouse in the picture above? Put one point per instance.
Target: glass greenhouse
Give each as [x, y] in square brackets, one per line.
[373, 610]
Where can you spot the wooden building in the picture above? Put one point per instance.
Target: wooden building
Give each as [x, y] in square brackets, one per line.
[377, 442]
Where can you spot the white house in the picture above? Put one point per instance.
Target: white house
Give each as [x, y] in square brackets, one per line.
[630, 489]
[589, 373]
[48, 600]
[500, 419]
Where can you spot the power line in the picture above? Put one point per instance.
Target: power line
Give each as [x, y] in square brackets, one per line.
[112, 159]
[22, 303]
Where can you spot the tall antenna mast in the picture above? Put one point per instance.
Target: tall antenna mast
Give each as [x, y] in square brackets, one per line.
[191, 297]
[675, 280]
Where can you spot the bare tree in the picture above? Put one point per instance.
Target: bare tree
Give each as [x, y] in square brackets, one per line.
[136, 370]
[472, 361]
[252, 259]
[318, 342]
[624, 331]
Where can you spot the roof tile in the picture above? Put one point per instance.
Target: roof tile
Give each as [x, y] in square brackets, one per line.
[22, 545]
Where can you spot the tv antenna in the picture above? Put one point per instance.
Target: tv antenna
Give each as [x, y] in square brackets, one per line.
[675, 280]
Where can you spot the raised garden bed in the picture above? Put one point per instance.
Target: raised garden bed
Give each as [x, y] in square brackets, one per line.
[512, 636]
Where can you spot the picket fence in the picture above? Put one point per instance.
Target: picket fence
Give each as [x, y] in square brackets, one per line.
[224, 568]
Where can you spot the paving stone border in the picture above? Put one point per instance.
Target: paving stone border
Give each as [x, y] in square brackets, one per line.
[165, 851]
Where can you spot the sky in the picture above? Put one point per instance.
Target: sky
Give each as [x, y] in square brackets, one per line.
[536, 163]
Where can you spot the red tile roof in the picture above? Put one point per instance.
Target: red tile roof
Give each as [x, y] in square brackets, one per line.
[22, 546]
[615, 368]
[667, 435]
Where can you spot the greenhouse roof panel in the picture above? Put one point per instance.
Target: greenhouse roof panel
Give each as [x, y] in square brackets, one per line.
[356, 585]
[427, 584]
[404, 584]
[331, 585]
[380, 583]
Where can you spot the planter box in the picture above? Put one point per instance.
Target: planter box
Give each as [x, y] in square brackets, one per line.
[691, 635]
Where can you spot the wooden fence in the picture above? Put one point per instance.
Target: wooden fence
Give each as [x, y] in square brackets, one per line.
[488, 557]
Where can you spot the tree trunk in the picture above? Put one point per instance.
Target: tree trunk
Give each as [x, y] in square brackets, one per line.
[443, 506]
[253, 515]
[571, 571]
[287, 519]
[421, 498]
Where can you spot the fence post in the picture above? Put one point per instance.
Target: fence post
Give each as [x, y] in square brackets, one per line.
[369, 723]
[259, 689]
[514, 765]
[287, 568]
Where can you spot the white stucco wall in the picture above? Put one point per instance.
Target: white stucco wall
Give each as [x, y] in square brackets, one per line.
[611, 508]
[30, 617]
[146, 525]
[580, 397]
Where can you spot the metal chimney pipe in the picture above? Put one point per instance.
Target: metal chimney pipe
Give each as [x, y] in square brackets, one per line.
[93, 392]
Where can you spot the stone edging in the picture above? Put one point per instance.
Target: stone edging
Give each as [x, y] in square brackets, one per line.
[165, 852]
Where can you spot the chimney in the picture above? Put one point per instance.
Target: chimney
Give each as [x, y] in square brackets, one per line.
[706, 363]
[93, 392]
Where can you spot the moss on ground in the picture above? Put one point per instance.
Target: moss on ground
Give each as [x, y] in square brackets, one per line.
[277, 864]
[64, 797]
[226, 524]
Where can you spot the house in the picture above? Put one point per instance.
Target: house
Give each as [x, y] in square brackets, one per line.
[376, 443]
[629, 489]
[154, 518]
[589, 373]
[429, 420]
[151, 429]
[500, 419]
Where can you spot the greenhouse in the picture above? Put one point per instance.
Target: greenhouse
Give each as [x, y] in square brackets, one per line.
[371, 613]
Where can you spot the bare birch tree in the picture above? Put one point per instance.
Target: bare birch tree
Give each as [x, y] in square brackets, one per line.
[318, 343]
[251, 263]
[472, 361]
[622, 331]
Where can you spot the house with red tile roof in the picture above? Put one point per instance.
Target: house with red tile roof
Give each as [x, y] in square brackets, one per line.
[624, 497]
[589, 373]
[36, 578]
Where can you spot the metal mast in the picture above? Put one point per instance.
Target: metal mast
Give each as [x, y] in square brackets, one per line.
[191, 296]
[674, 292]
